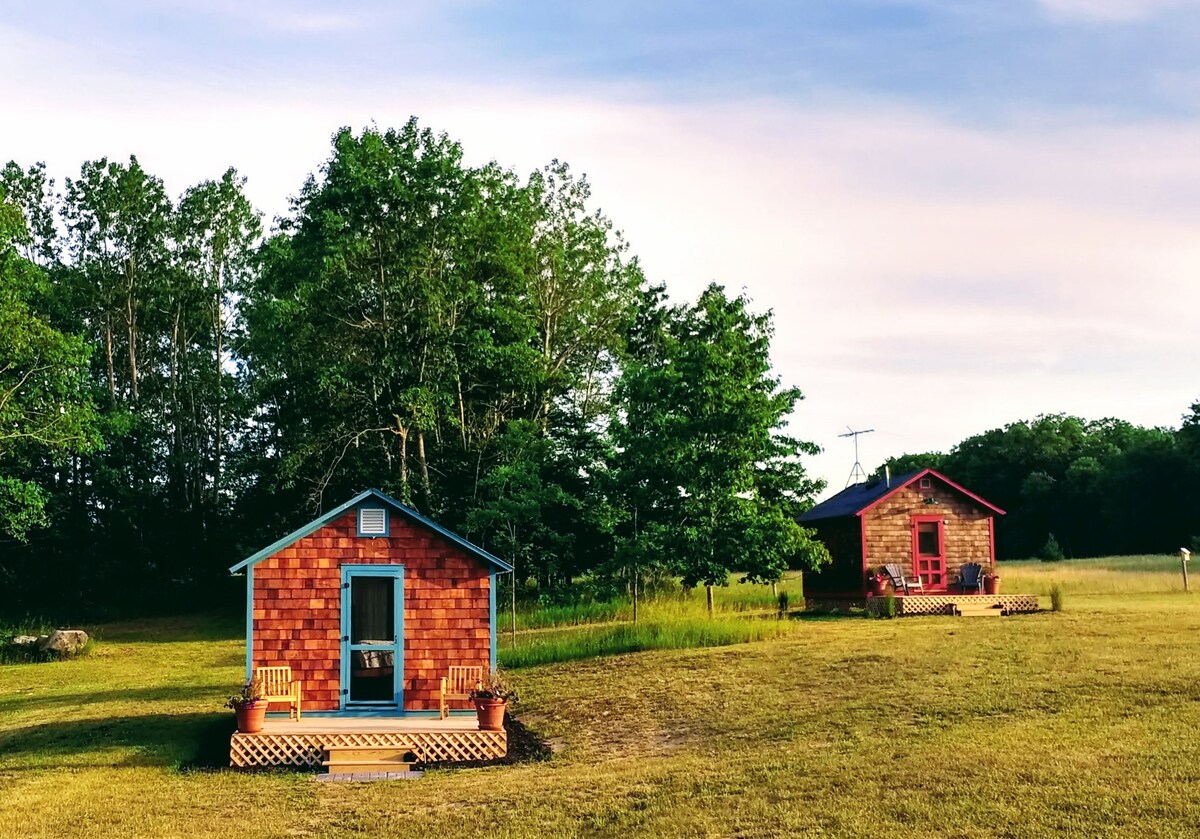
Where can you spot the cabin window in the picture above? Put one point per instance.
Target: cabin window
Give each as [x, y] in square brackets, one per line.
[925, 483]
[927, 539]
[372, 521]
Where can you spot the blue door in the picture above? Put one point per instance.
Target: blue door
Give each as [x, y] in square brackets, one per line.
[373, 637]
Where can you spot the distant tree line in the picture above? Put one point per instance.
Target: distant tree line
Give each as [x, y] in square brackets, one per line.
[1098, 486]
[177, 390]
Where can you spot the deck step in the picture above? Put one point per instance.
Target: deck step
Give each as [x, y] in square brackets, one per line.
[973, 611]
[358, 754]
[356, 766]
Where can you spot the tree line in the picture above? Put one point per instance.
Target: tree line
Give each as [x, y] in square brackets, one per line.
[1097, 487]
[178, 389]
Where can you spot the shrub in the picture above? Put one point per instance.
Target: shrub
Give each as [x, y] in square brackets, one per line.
[1051, 551]
[1056, 597]
[887, 608]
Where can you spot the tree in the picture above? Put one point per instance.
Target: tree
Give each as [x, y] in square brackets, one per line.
[45, 411]
[712, 482]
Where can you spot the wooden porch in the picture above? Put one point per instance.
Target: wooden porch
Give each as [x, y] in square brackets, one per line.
[305, 742]
[958, 604]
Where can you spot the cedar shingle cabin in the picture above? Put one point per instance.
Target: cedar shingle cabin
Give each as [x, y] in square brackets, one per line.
[369, 605]
[922, 521]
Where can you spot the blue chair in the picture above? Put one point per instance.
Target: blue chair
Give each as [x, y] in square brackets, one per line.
[970, 576]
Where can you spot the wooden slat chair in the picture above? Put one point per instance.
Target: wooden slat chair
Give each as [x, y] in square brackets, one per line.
[458, 684]
[899, 583]
[970, 576]
[279, 686]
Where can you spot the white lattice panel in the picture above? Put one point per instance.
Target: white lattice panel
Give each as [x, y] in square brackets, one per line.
[941, 604]
[308, 749]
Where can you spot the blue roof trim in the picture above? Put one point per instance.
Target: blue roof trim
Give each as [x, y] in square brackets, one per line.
[408, 512]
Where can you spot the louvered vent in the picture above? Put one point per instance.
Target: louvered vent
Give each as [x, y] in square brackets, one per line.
[372, 521]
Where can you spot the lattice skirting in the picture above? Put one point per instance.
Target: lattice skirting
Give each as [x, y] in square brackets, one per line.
[943, 604]
[308, 749]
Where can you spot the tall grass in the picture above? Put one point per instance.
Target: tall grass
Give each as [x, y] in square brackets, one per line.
[1104, 575]
[572, 645]
[734, 598]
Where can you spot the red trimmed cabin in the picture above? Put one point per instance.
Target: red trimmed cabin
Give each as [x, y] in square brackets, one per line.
[922, 521]
[369, 605]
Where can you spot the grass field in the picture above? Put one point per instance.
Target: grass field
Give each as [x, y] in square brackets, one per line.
[1075, 723]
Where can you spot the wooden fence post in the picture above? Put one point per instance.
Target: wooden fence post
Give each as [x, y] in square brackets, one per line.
[1184, 556]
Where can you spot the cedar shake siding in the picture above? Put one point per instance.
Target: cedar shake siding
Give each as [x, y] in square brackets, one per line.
[889, 528]
[868, 525]
[296, 602]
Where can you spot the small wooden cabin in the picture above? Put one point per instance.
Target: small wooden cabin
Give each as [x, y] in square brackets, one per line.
[922, 521]
[369, 605]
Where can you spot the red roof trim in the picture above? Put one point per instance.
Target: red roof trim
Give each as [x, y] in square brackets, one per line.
[940, 477]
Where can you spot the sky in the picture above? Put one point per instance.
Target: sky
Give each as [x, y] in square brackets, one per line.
[962, 213]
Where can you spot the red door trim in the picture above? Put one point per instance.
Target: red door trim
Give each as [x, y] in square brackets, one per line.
[941, 557]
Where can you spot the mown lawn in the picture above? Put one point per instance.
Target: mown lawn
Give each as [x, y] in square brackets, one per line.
[1081, 723]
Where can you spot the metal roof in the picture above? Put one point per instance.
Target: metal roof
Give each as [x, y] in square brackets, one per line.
[407, 512]
[856, 499]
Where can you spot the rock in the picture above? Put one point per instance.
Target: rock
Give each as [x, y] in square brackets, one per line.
[64, 641]
[23, 640]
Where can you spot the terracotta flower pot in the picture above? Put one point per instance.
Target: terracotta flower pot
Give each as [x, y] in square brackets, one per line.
[991, 584]
[250, 718]
[490, 713]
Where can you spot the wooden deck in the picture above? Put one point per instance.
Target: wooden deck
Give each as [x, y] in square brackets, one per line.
[948, 604]
[303, 742]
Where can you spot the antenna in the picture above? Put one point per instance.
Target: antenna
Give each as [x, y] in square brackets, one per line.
[858, 475]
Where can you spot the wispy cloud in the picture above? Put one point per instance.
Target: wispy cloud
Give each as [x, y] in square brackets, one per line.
[1113, 11]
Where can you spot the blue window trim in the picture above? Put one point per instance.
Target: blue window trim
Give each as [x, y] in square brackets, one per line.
[396, 706]
[249, 622]
[387, 521]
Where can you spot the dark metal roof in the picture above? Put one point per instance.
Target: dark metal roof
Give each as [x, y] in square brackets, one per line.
[855, 499]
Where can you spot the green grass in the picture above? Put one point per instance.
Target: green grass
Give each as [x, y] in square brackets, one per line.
[575, 644]
[734, 598]
[1075, 723]
[1107, 575]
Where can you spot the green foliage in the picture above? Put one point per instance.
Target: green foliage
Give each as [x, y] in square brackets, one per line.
[1102, 486]
[46, 414]
[708, 480]
[888, 608]
[1057, 597]
[1051, 551]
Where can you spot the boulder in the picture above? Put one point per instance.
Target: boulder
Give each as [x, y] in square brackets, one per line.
[64, 641]
[24, 640]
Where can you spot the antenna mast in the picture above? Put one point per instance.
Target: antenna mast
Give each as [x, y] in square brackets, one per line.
[858, 475]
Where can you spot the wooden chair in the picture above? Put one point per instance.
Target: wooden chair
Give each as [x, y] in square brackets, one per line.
[900, 584]
[458, 684]
[279, 686]
[970, 576]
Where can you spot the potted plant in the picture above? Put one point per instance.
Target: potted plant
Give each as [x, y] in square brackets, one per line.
[991, 581]
[249, 707]
[877, 584]
[491, 697]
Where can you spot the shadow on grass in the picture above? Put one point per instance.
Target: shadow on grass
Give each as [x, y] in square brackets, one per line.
[168, 693]
[524, 746]
[179, 741]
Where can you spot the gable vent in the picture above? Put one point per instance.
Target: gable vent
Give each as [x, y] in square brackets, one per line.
[926, 483]
[372, 521]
